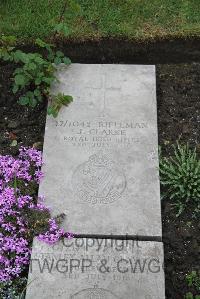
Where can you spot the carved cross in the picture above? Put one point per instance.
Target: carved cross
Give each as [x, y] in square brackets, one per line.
[103, 90]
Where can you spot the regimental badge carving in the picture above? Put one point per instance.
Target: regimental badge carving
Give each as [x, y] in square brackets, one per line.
[94, 293]
[98, 180]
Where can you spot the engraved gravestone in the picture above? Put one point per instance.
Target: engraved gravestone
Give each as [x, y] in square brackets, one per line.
[101, 170]
[101, 161]
[97, 269]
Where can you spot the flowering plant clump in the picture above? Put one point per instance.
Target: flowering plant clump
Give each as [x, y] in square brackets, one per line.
[22, 213]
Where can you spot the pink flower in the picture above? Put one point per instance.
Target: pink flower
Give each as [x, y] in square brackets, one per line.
[15, 248]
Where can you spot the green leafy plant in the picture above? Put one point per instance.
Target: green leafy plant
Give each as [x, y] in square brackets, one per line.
[191, 296]
[35, 73]
[7, 44]
[61, 100]
[193, 280]
[180, 173]
[62, 29]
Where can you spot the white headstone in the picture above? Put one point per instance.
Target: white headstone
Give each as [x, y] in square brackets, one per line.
[101, 153]
[101, 170]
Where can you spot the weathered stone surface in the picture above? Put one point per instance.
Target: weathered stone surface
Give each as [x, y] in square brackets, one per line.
[101, 170]
[97, 269]
[101, 164]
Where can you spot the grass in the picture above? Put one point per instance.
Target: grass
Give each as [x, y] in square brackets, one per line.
[95, 19]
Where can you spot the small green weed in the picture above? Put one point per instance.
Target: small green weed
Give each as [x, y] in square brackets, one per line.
[180, 174]
[193, 280]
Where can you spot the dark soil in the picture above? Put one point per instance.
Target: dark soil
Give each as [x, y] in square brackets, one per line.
[25, 125]
[178, 94]
[106, 50]
[127, 51]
